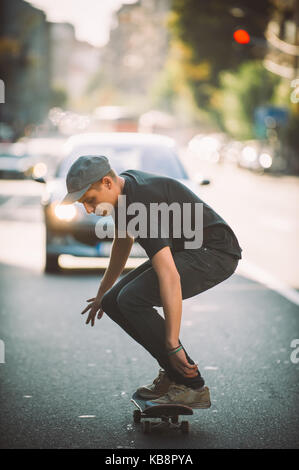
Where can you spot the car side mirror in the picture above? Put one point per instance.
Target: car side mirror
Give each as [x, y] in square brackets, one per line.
[200, 180]
[39, 180]
[203, 182]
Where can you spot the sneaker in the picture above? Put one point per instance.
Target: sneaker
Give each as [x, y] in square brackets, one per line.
[182, 395]
[157, 389]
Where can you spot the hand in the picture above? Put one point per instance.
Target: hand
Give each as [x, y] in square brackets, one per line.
[180, 363]
[94, 307]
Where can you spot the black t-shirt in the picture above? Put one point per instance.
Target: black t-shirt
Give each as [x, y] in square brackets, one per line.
[146, 188]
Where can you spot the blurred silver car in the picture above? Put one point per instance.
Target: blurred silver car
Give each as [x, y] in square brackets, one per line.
[69, 229]
[15, 163]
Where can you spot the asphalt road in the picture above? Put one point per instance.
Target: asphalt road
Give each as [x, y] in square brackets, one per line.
[67, 385]
[58, 370]
[263, 212]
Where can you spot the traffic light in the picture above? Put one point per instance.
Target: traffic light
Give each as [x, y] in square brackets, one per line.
[241, 36]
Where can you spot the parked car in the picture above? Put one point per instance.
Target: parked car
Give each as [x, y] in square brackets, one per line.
[69, 229]
[47, 151]
[256, 155]
[15, 163]
[208, 147]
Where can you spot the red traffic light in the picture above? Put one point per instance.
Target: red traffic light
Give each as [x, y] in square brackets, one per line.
[241, 36]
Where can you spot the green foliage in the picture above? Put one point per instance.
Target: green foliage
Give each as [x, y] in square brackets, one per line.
[58, 97]
[207, 27]
[239, 95]
[163, 91]
[171, 91]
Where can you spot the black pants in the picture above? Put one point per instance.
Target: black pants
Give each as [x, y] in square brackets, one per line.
[130, 302]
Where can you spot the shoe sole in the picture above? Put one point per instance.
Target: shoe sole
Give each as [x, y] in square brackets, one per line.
[147, 397]
[200, 405]
[192, 405]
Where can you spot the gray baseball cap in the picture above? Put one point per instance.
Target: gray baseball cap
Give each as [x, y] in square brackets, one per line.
[84, 171]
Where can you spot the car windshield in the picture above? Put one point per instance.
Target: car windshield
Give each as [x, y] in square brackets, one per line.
[11, 155]
[153, 159]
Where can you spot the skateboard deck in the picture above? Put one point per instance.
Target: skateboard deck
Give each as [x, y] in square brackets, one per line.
[168, 414]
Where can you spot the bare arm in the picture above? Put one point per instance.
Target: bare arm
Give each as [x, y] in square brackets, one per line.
[120, 251]
[171, 297]
[171, 294]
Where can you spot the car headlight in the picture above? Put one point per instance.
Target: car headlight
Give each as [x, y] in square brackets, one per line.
[249, 154]
[265, 160]
[39, 170]
[65, 212]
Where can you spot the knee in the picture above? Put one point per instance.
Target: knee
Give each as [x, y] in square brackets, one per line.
[123, 301]
[108, 302]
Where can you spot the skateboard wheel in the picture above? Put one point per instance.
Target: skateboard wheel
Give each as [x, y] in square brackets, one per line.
[174, 419]
[185, 427]
[137, 416]
[146, 425]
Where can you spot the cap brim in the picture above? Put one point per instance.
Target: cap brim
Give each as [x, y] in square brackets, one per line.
[70, 198]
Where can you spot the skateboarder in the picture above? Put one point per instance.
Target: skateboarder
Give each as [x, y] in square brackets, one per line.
[172, 273]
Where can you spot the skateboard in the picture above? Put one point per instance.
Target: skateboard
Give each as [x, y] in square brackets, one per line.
[168, 415]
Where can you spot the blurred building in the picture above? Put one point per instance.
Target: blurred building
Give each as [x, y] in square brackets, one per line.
[73, 62]
[283, 39]
[25, 65]
[138, 46]
[42, 65]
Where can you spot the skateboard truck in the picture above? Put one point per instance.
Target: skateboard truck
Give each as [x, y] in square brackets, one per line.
[168, 415]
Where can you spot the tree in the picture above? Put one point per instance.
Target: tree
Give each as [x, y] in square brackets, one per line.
[241, 93]
[207, 28]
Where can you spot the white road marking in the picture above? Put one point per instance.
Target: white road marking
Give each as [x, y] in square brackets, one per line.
[251, 271]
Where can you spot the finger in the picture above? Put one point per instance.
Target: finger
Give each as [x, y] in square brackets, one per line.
[86, 308]
[190, 366]
[93, 318]
[190, 370]
[90, 300]
[100, 314]
[89, 319]
[193, 375]
[184, 363]
[186, 371]
[190, 373]
[90, 315]
[184, 368]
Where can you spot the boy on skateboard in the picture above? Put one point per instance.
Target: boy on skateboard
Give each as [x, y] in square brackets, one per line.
[173, 272]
